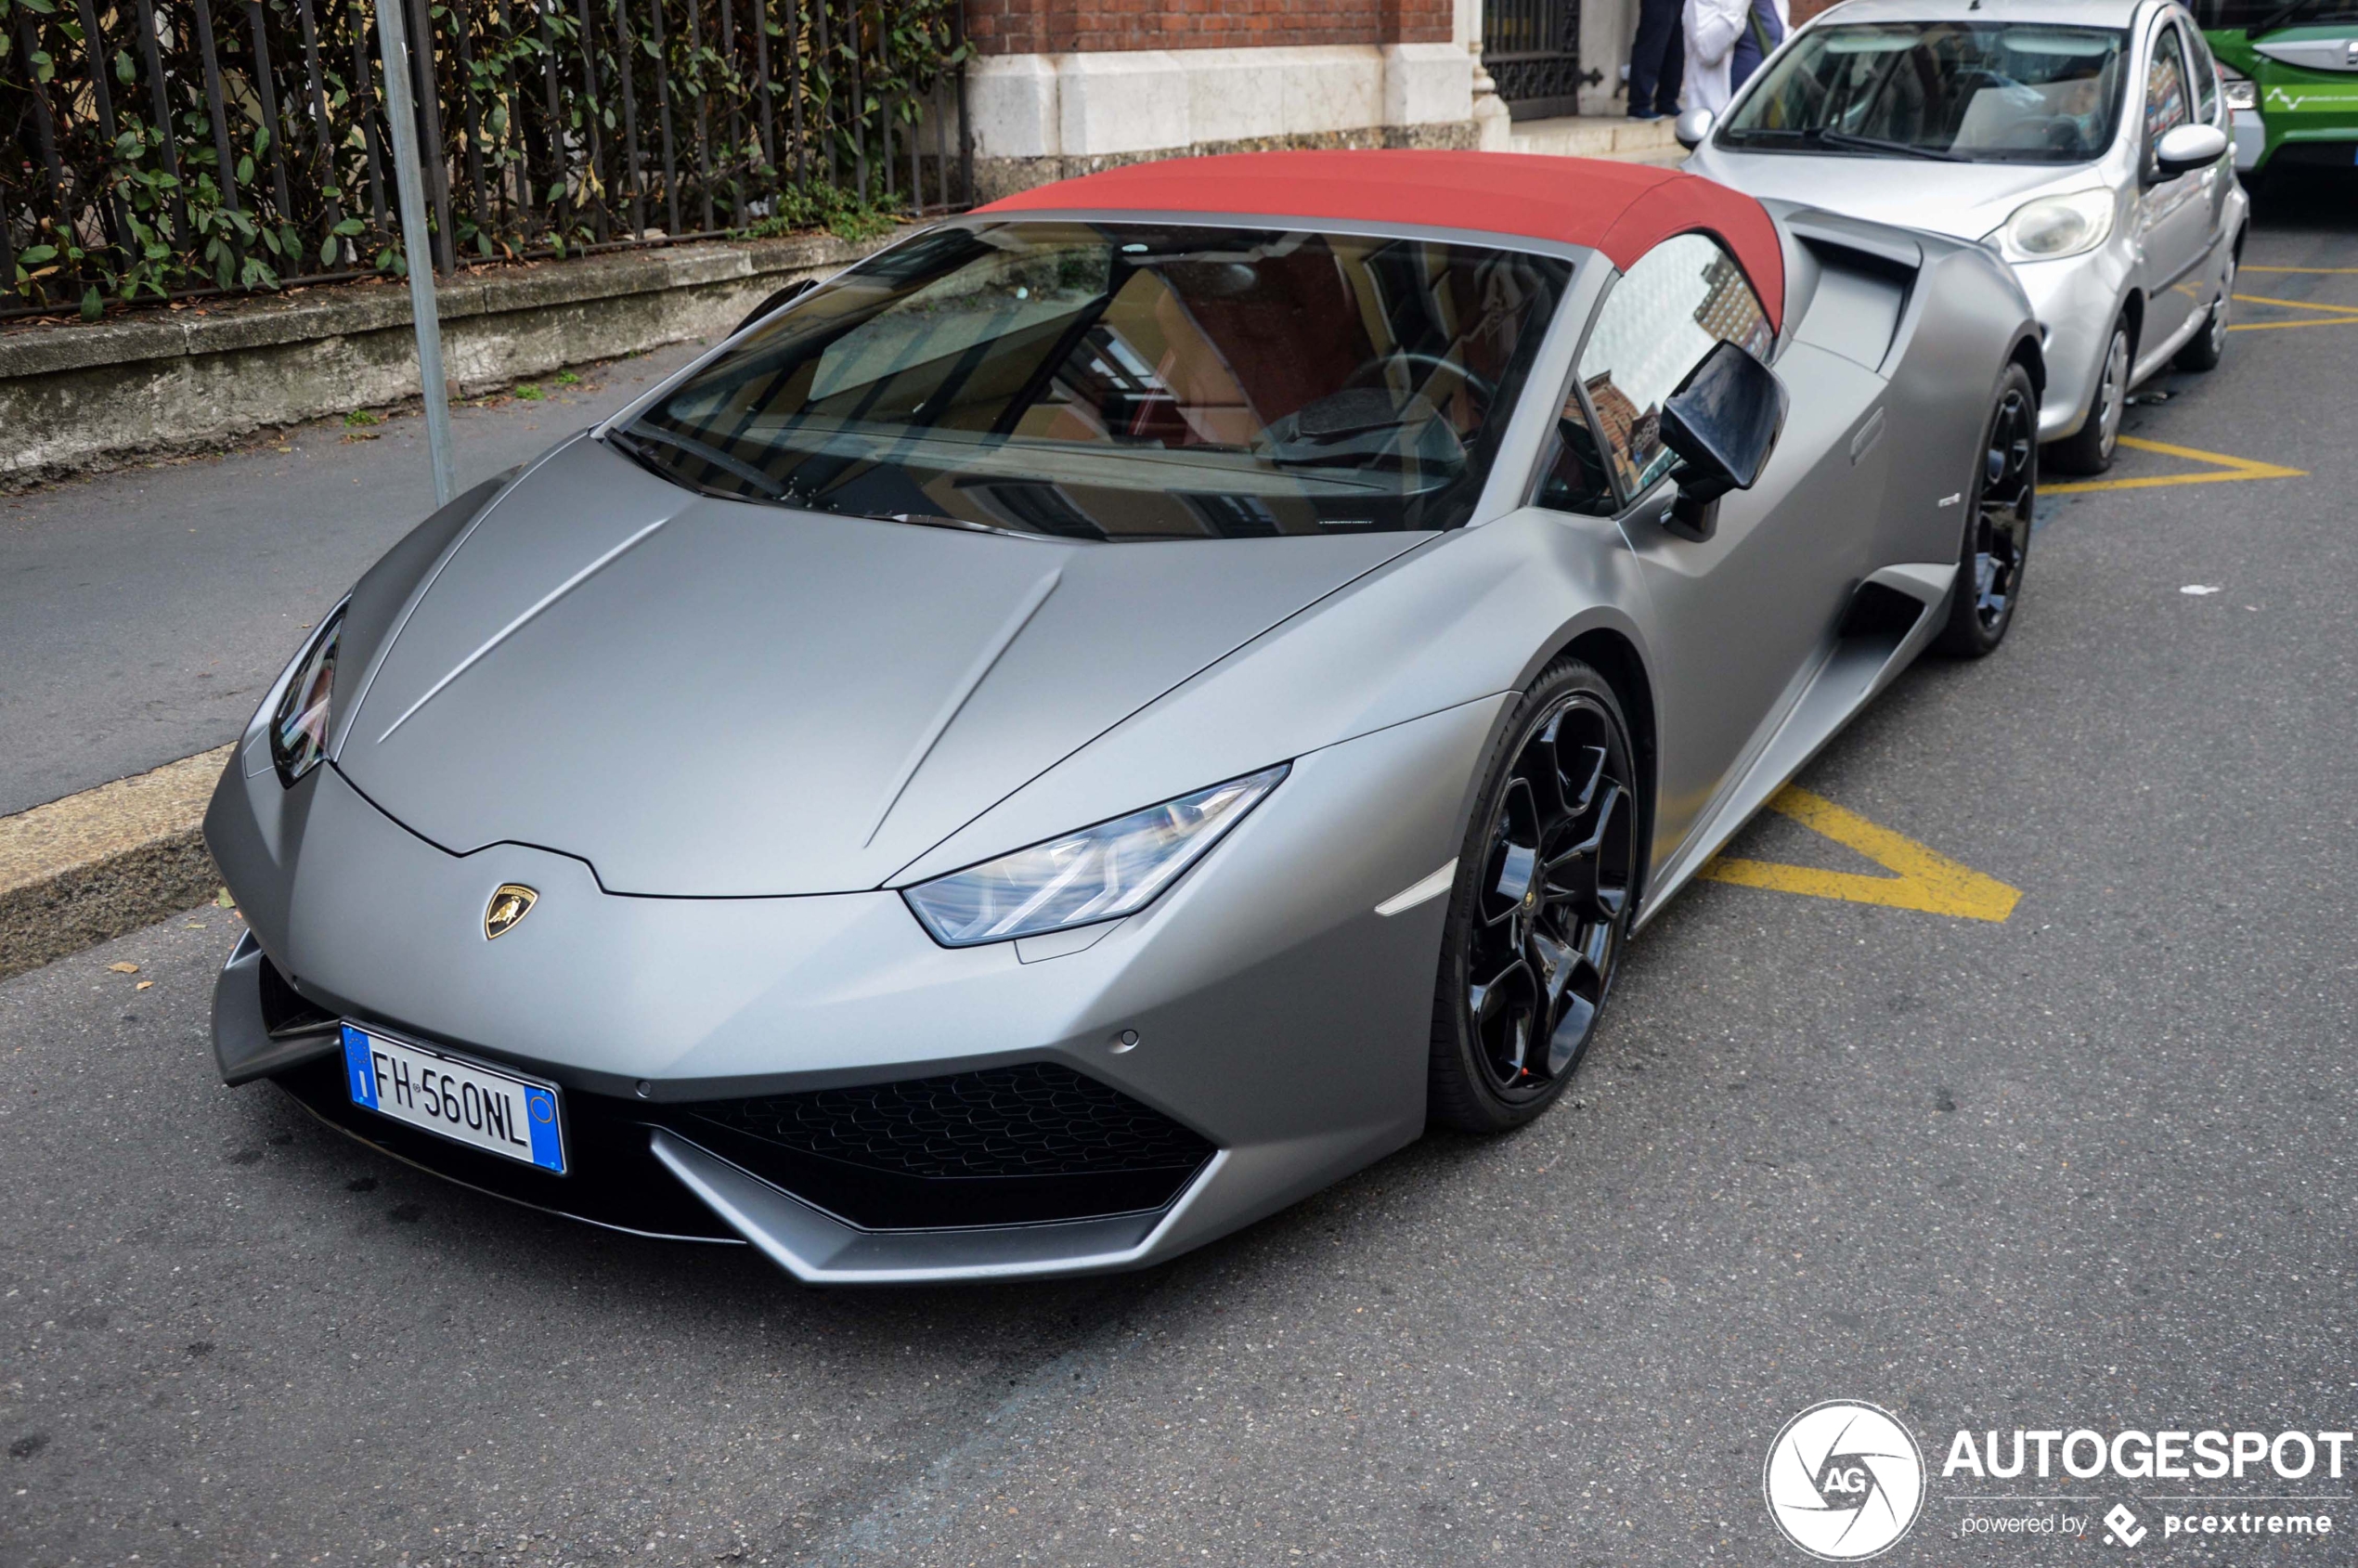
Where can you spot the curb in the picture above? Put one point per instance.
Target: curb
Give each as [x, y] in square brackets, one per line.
[105, 861]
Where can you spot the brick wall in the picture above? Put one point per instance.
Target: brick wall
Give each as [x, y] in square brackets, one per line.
[1015, 27]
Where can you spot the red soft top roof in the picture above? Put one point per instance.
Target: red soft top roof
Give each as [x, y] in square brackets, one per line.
[1623, 209]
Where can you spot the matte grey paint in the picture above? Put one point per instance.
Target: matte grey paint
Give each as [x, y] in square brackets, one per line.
[2172, 241]
[773, 718]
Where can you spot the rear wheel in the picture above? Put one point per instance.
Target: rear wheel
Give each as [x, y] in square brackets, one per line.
[1996, 541]
[2090, 450]
[2209, 346]
[1540, 908]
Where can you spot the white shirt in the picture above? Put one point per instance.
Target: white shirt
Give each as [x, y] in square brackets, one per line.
[1711, 29]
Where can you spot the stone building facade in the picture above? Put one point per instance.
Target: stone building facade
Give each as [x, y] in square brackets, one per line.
[1061, 88]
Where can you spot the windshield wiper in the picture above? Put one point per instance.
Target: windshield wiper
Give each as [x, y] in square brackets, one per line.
[629, 441]
[1876, 144]
[1818, 135]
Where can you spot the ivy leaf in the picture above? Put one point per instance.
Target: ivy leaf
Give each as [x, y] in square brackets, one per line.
[92, 306]
[125, 70]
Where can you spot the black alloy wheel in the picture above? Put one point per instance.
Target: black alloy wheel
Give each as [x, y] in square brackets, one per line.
[1996, 542]
[1540, 909]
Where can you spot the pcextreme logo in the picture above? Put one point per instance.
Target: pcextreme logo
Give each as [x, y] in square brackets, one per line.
[1844, 1481]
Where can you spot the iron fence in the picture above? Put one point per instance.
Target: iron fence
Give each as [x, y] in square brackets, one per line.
[153, 149]
[1532, 50]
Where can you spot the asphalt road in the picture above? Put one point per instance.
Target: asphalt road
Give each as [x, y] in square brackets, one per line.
[2087, 1167]
[144, 611]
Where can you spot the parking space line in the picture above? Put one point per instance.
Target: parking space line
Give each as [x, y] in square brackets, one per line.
[2322, 313]
[2229, 471]
[2280, 326]
[1923, 878]
[2297, 304]
[2310, 271]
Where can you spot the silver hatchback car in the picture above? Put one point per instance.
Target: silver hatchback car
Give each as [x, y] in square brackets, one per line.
[2086, 141]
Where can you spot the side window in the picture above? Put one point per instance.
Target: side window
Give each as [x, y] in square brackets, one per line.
[2166, 105]
[1679, 300]
[2205, 76]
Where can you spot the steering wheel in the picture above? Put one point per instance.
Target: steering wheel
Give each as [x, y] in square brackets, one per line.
[1372, 372]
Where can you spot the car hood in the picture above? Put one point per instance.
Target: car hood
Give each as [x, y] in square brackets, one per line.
[709, 698]
[1965, 201]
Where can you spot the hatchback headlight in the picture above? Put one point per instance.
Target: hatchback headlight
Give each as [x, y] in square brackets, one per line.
[1101, 873]
[2056, 227]
[299, 724]
[2240, 91]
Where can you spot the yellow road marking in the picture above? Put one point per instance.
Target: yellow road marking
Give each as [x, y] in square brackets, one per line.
[2230, 470]
[1922, 879]
[2322, 313]
[2280, 326]
[2297, 305]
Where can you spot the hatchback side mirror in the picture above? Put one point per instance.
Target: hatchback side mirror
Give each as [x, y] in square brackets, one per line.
[786, 295]
[1722, 422]
[1691, 127]
[2187, 147]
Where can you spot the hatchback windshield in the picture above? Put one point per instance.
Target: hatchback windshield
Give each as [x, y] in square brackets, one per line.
[1983, 92]
[1124, 382]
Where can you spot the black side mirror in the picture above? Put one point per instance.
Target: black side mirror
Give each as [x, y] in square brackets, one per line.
[1722, 422]
[786, 295]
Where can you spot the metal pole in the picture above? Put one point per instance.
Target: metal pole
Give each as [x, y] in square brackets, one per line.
[409, 186]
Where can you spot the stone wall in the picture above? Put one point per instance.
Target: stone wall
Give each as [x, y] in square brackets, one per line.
[1003, 27]
[74, 398]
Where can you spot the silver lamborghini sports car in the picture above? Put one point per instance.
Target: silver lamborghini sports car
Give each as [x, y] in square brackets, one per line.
[1116, 710]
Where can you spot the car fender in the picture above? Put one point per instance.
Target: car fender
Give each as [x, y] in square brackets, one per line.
[1469, 616]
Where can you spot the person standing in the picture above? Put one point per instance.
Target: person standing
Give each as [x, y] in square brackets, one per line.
[1725, 42]
[1657, 60]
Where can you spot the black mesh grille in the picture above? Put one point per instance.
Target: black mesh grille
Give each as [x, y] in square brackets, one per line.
[1006, 1146]
[1035, 1121]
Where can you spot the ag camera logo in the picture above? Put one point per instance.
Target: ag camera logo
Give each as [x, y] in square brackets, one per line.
[1844, 1481]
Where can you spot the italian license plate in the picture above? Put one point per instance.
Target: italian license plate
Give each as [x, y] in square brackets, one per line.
[512, 1117]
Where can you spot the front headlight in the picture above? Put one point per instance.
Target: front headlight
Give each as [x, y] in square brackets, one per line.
[2054, 226]
[299, 724]
[1101, 873]
[2240, 91]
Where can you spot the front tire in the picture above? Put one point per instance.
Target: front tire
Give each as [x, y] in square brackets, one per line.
[1540, 908]
[2090, 450]
[1998, 508]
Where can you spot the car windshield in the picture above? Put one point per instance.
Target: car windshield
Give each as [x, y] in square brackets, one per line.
[2266, 16]
[1982, 92]
[1113, 381]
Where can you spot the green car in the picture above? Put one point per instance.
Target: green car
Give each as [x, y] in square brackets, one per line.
[2291, 73]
